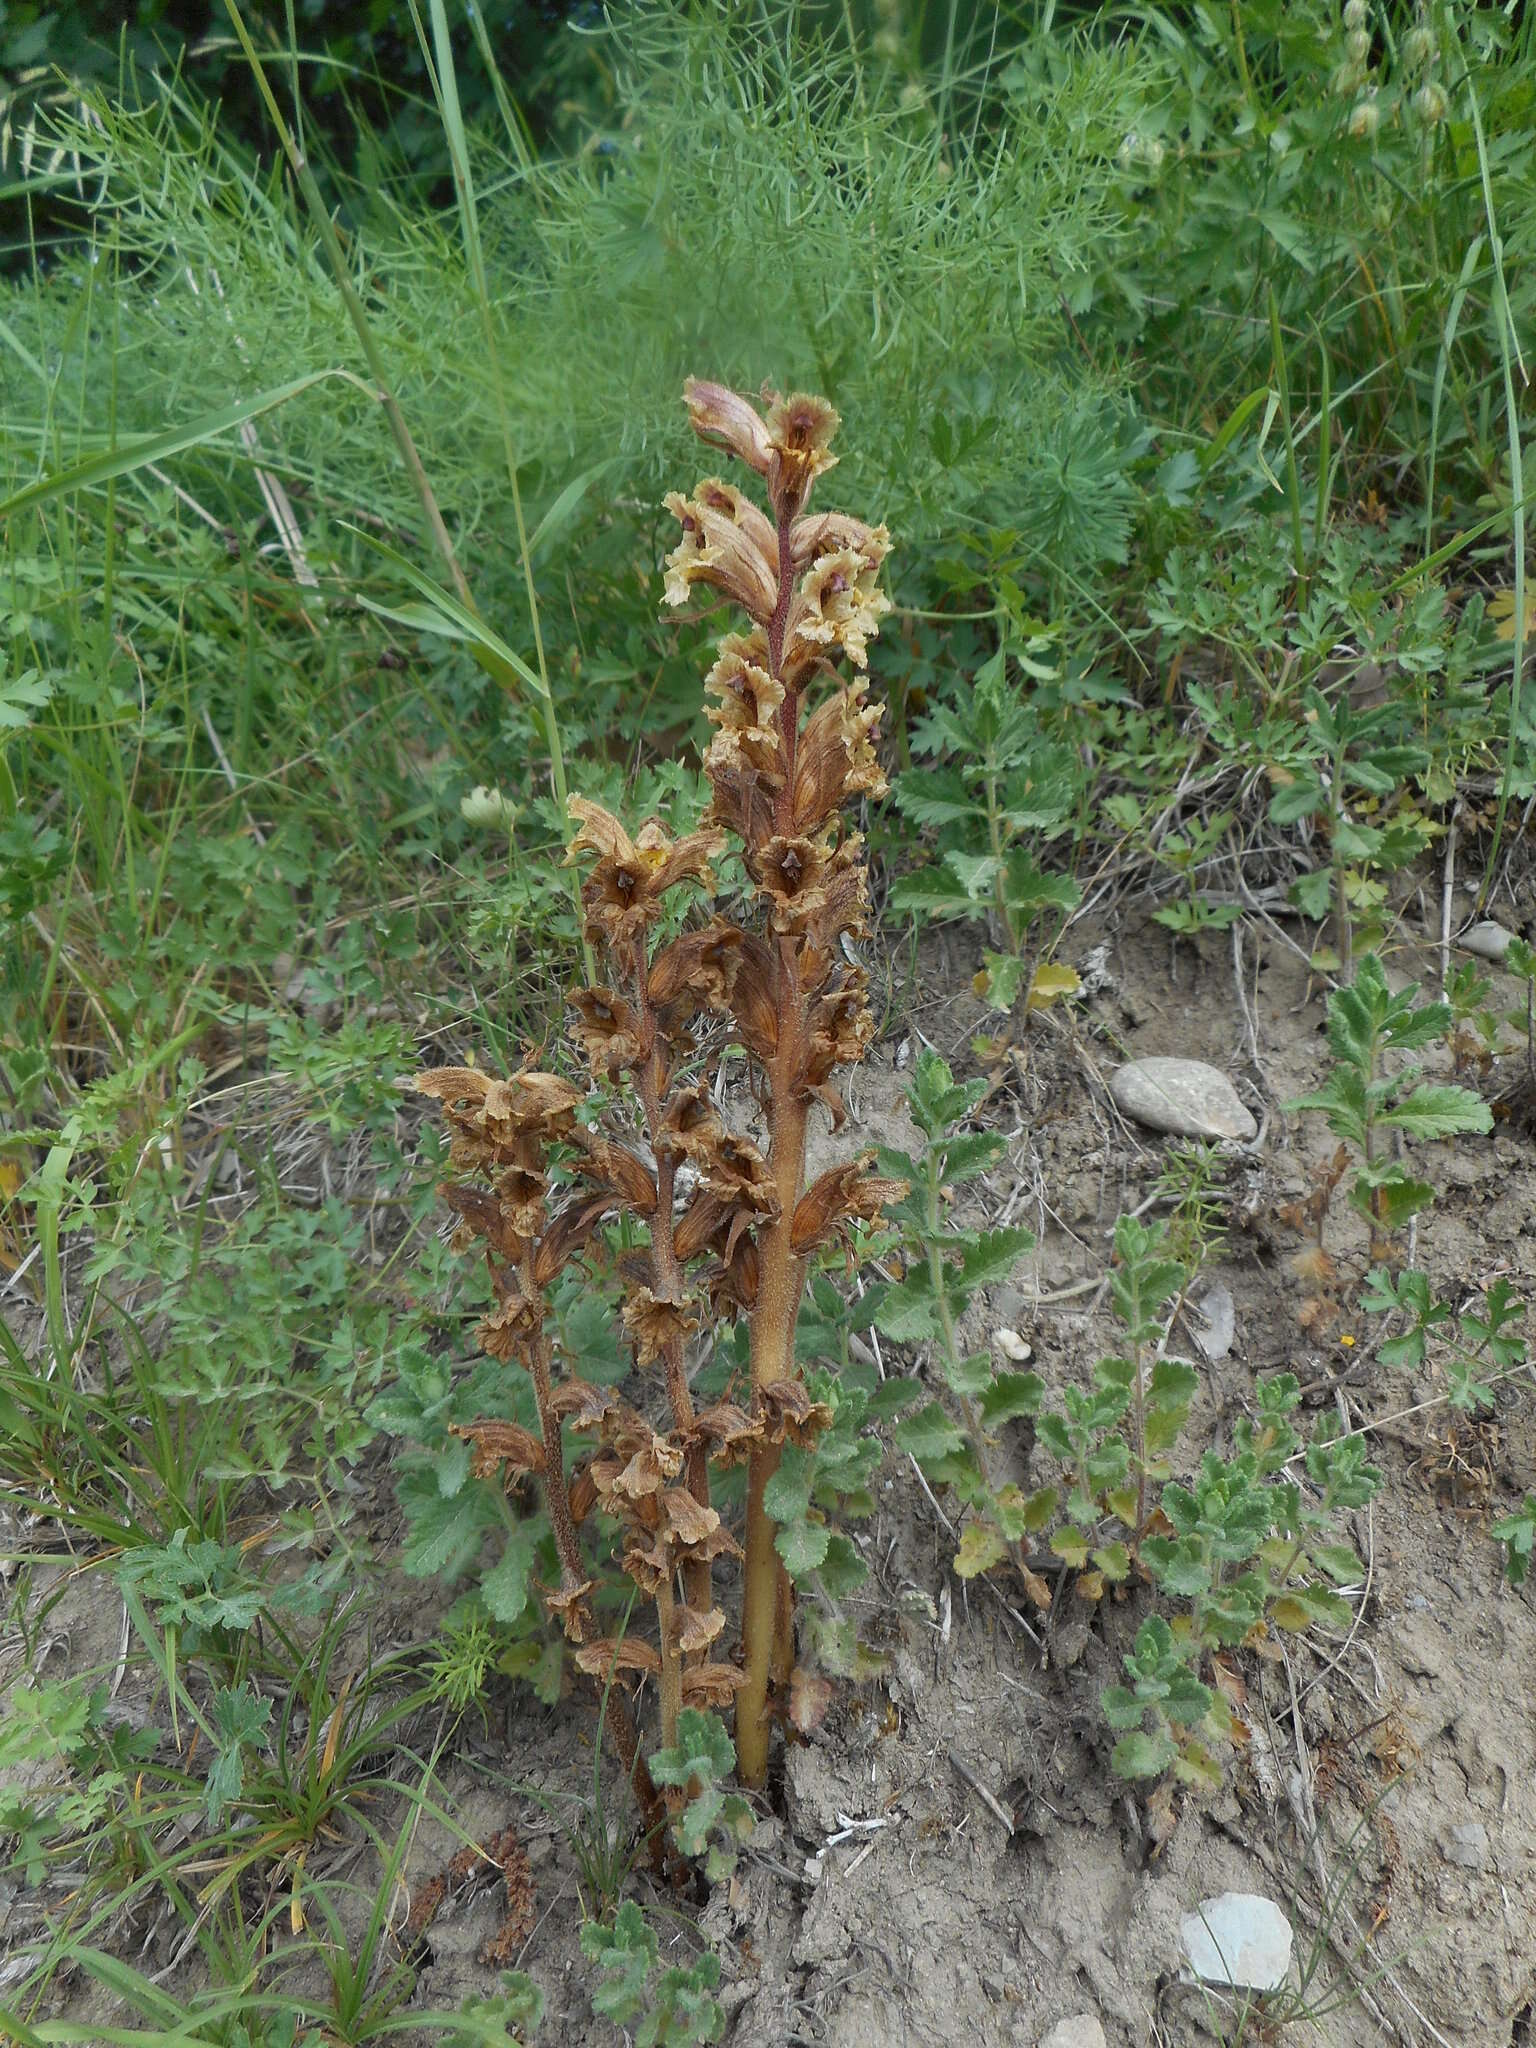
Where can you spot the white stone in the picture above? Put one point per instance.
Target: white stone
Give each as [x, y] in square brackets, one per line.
[1238, 1939]
[1489, 941]
[1466, 1844]
[1185, 1097]
[1081, 2031]
[1012, 1346]
[1215, 1321]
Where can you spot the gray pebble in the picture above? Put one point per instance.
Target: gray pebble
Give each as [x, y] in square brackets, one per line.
[1185, 1097]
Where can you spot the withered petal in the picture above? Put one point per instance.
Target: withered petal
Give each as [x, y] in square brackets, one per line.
[609, 1656]
[494, 1444]
[845, 1194]
[712, 1685]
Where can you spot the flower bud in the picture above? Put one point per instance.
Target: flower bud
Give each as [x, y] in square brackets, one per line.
[1418, 47]
[1357, 44]
[1364, 121]
[1430, 102]
[1354, 13]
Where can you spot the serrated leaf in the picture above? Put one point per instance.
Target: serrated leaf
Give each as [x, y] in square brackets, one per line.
[968, 1377]
[505, 1586]
[1114, 1561]
[998, 983]
[993, 1257]
[981, 1547]
[842, 1570]
[1010, 1395]
[1339, 1562]
[803, 1546]
[1440, 1112]
[1140, 1755]
[908, 1312]
[928, 1435]
[1072, 1546]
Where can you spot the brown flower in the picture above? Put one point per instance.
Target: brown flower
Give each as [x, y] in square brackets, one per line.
[622, 895]
[607, 1030]
[790, 1415]
[718, 551]
[727, 420]
[712, 1685]
[835, 760]
[498, 1444]
[728, 1430]
[690, 1127]
[748, 739]
[837, 609]
[736, 1191]
[651, 1462]
[747, 517]
[655, 1325]
[569, 1606]
[567, 1235]
[752, 998]
[800, 430]
[694, 971]
[605, 1659]
[843, 1195]
[498, 1122]
[829, 533]
[512, 1325]
[587, 1407]
[626, 1177]
[695, 1628]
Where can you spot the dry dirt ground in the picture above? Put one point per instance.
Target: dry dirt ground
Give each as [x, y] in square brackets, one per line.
[884, 1899]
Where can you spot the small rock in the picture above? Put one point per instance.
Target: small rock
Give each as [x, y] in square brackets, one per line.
[1081, 2031]
[1238, 1939]
[1466, 1845]
[1185, 1097]
[1489, 941]
[1012, 1346]
[1215, 1321]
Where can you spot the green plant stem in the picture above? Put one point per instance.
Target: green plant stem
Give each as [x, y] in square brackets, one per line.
[1139, 1420]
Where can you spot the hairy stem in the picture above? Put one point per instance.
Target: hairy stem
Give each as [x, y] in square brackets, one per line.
[767, 1592]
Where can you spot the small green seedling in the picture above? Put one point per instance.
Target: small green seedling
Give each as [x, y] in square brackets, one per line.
[947, 1266]
[1363, 1104]
[1002, 782]
[1188, 852]
[1471, 1350]
[661, 2008]
[1347, 763]
[696, 1764]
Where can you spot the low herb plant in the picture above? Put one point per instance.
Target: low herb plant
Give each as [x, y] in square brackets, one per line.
[658, 2008]
[997, 783]
[1366, 1103]
[946, 1266]
[1239, 1549]
[1470, 1349]
[719, 1227]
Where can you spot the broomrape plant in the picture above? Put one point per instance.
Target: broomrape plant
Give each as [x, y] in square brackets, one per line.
[729, 1224]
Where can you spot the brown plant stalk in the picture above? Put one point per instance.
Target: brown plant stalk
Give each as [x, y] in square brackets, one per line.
[730, 1225]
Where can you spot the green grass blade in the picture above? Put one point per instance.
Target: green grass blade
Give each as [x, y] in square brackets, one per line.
[143, 449]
